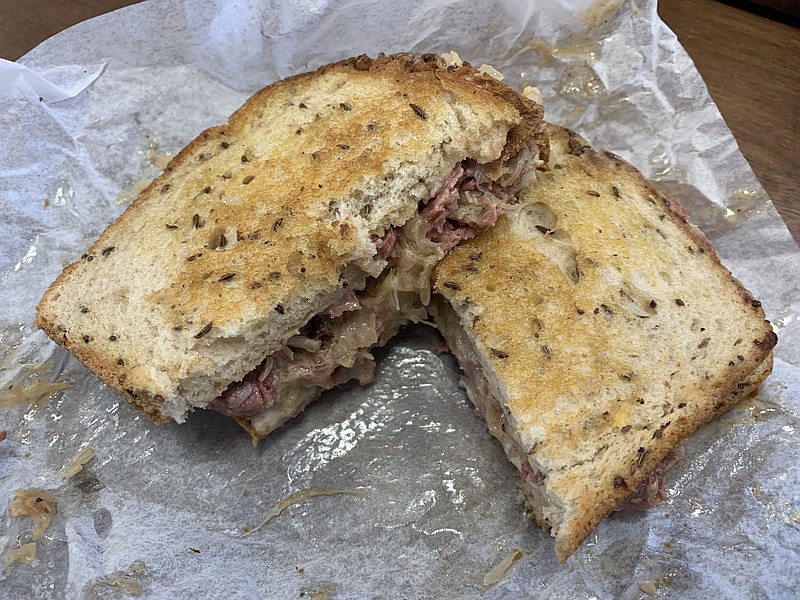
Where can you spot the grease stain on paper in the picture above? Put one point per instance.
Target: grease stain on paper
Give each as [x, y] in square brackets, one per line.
[322, 590]
[118, 584]
[156, 163]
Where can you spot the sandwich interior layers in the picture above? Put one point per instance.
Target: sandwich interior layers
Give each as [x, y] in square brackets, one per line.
[334, 346]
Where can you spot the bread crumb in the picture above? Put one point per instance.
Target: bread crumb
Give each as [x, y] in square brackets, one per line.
[648, 587]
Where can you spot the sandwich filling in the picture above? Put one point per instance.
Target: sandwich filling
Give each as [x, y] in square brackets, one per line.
[334, 346]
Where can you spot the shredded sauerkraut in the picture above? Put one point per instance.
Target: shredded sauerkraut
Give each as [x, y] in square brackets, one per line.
[76, 464]
[302, 496]
[452, 59]
[496, 573]
[36, 504]
[24, 554]
[39, 506]
[335, 345]
[31, 388]
[491, 72]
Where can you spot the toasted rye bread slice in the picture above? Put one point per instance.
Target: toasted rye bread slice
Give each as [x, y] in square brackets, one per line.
[599, 330]
[258, 224]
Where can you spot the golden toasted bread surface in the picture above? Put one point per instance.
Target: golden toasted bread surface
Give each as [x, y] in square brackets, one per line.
[258, 224]
[607, 328]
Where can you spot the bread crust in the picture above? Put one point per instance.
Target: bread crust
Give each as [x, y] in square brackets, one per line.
[607, 327]
[257, 224]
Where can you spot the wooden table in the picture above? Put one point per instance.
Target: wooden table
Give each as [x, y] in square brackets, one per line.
[751, 64]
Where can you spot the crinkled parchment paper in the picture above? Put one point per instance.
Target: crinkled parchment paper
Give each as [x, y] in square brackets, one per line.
[160, 511]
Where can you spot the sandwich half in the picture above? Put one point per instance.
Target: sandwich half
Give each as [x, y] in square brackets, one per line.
[596, 330]
[277, 249]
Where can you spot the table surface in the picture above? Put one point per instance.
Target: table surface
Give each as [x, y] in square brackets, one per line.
[750, 63]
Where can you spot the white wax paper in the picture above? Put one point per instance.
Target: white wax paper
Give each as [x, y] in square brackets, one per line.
[160, 511]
